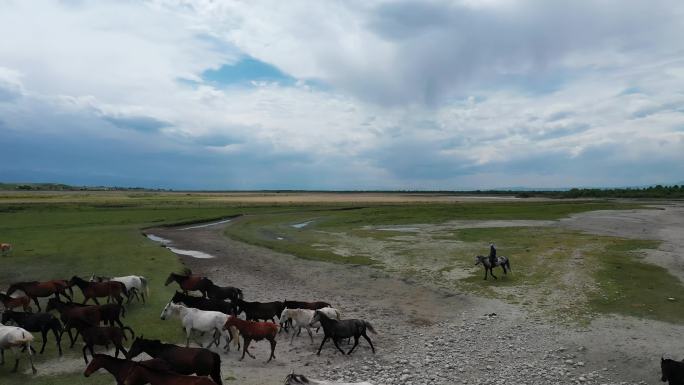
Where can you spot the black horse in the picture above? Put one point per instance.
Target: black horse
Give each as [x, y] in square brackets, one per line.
[224, 292]
[200, 361]
[37, 322]
[339, 329]
[500, 261]
[256, 311]
[672, 371]
[204, 303]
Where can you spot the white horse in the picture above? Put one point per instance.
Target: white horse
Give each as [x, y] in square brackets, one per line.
[5, 248]
[301, 318]
[199, 320]
[137, 282]
[299, 379]
[12, 337]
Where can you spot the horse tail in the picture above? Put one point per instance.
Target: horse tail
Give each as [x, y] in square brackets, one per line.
[124, 334]
[145, 286]
[216, 368]
[370, 327]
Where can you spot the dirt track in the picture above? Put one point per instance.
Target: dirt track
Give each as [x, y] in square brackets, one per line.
[426, 336]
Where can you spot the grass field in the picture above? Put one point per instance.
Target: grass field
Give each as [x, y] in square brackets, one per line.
[57, 235]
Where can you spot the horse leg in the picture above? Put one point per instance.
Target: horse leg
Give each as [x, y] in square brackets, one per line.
[486, 271]
[293, 336]
[44, 332]
[245, 346]
[2, 356]
[273, 346]
[35, 300]
[58, 338]
[16, 360]
[325, 338]
[356, 342]
[310, 334]
[30, 356]
[491, 272]
[338, 346]
[123, 350]
[364, 335]
[188, 332]
[96, 301]
[84, 353]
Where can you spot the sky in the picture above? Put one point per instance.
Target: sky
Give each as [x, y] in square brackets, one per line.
[342, 95]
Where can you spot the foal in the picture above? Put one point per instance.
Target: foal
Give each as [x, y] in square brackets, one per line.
[37, 322]
[256, 331]
[338, 329]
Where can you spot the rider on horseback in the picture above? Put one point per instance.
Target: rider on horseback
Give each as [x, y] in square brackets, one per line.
[492, 255]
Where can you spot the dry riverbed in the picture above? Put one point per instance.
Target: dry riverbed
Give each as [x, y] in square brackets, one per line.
[428, 336]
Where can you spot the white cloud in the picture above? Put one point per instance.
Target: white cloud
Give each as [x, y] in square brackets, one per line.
[415, 94]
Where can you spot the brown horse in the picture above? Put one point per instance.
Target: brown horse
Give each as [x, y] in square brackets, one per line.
[103, 336]
[75, 316]
[12, 303]
[35, 289]
[252, 330]
[92, 290]
[188, 282]
[143, 373]
[200, 361]
[120, 368]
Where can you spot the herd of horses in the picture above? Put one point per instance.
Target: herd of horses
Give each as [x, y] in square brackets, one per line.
[205, 310]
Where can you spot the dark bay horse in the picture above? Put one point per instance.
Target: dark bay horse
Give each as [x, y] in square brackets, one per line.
[260, 310]
[36, 322]
[339, 329]
[142, 373]
[202, 303]
[306, 305]
[103, 336]
[113, 290]
[200, 361]
[35, 289]
[190, 282]
[500, 261]
[253, 331]
[74, 316]
[119, 368]
[672, 371]
[224, 292]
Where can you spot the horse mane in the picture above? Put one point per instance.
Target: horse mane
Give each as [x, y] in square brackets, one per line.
[300, 378]
[186, 272]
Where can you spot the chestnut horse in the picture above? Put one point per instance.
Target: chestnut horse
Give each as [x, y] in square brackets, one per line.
[93, 290]
[143, 373]
[252, 330]
[189, 282]
[35, 289]
[12, 303]
[75, 317]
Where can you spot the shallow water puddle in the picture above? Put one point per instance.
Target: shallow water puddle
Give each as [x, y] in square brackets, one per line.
[205, 225]
[301, 225]
[190, 253]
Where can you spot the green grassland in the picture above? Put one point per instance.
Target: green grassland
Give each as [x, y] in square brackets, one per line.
[57, 235]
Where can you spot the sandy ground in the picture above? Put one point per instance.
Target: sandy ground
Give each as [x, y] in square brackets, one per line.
[610, 350]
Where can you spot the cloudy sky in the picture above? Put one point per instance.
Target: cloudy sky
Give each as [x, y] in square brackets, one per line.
[342, 94]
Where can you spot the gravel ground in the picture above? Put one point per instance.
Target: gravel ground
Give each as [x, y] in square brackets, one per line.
[426, 336]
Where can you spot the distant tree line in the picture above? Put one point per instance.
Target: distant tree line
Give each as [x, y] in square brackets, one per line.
[658, 191]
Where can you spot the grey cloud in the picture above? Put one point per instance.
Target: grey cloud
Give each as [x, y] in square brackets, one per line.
[138, 123]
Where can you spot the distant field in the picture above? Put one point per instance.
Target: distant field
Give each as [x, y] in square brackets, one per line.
[57, 235]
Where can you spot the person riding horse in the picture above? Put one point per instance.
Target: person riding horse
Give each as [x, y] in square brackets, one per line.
[492, 255]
